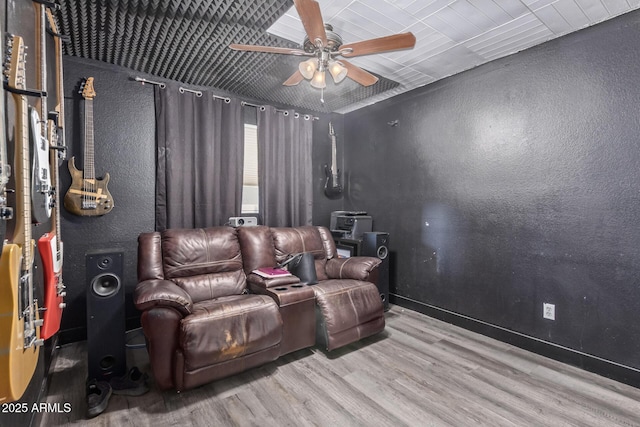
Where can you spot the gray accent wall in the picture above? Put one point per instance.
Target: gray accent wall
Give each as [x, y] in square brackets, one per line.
[515, 184]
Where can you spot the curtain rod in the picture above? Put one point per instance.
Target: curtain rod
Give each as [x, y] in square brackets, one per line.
[227, 100]
[143, 81]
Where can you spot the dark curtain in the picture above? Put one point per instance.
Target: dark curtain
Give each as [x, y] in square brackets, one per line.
[285, 170]
[200, 145]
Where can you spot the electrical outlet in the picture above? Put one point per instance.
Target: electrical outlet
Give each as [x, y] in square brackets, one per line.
[549, 311]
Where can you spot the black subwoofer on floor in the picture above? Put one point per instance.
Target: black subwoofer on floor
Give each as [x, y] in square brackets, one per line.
[376, 244]
[105, 315]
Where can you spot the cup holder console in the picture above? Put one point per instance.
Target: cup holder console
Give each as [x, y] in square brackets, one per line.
[284, 288]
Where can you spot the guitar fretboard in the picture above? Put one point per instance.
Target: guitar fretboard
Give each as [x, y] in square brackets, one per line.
[89, 173]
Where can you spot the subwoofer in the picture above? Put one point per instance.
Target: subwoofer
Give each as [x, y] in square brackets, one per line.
[105, 315]
[376, 244]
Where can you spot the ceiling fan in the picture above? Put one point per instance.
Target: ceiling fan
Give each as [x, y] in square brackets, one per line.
[323, 46]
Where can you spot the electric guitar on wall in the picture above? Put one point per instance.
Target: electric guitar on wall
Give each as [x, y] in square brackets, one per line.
[332, 188]
[41, 176]
[50, 244]
[19, 323]
[87, 196]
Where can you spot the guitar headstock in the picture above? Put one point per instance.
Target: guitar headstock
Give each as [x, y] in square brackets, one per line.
[86, 89]
[331, 132]
[14, 69]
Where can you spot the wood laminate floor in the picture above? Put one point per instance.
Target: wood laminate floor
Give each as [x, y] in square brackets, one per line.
[418, 372]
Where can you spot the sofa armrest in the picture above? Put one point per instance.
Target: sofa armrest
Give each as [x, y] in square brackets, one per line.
[162, 293]
[358, 268]
[256, 281]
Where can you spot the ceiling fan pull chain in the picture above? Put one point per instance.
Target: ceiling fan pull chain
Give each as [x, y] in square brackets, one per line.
[322, 95]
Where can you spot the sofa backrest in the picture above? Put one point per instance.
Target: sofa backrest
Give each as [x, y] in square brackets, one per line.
[293, 240]
[205, 262]
[256, 245]
[212, 262]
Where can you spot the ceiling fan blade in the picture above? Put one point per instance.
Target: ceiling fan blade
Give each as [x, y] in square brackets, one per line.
[295, 78]
[309, 11]
[381, 44]
[268, 49]
[359, 75]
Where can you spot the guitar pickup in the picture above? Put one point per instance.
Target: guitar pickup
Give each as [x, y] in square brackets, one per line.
[42, 188]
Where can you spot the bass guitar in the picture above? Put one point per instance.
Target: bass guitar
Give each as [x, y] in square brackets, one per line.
[332, 187]
[50, 244]
[87, 196]
[19, 323]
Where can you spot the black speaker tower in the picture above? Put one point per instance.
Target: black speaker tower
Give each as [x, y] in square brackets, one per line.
[105, 315]
[376, 244]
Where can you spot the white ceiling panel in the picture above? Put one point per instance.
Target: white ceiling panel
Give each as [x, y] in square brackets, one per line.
[451, 35]
[616, 7]
[594, 9]
[572, 13]
[515, 8]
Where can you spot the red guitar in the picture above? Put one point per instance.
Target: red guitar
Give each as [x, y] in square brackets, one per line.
[50, 244]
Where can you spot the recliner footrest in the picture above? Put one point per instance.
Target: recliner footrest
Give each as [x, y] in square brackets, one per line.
[346, 311]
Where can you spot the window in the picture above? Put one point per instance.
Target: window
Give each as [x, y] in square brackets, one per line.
[250, 194]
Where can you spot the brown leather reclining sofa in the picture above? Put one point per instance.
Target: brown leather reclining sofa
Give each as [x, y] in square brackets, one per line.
[206, 316]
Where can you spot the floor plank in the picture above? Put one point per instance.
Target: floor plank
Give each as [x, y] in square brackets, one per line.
[418, 372]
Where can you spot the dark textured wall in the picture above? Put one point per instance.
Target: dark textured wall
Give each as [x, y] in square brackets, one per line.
[517, 183]
[124, 125]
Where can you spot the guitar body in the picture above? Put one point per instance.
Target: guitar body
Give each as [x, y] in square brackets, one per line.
[332, 187]
[53, 288]
[41, 201]
[87, 197]
[17, 364]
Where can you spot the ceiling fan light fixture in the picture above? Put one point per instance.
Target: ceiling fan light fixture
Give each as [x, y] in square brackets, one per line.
[308, 68]
[337, 70]
[318, 80]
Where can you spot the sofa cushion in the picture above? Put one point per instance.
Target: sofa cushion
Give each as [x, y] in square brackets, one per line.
[205, 262]
[256, 244]
[229, 327]
[293, 240]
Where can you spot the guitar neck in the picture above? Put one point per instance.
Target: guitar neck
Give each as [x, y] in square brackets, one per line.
[89, 168]
[60, 140]
[22, 231]
[43, 71]
[55, 185]
[4, 167]
[334, 167]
